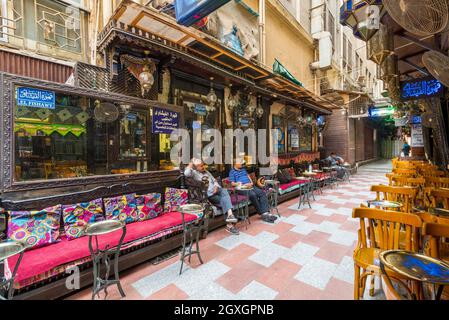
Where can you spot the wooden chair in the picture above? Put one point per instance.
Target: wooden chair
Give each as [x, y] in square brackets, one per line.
[380, 230]
[406, 172]
[404, 195]
[403, 181]
[440, 197]
[437, 245]
[405, 165]
[437, 182]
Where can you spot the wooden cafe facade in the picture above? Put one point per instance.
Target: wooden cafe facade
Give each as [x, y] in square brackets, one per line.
[102, 130]
[107, 133]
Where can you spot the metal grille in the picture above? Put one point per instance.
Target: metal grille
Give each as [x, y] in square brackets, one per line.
[92, 77]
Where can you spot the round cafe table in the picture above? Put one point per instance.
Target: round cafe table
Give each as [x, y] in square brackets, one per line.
[192, 232]
[439, 212]
[94, 231]
[416, 267]
[7, 250]
[384, 204]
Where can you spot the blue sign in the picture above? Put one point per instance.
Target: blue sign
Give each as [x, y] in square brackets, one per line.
[200, 109]
[421, 89]
[416, 120]
[164, 121]
[320, 120]
[35, 98]
[189, 12]
[381, 111]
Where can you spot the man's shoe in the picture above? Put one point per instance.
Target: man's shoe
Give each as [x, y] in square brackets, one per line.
[268, 218]
[233, 230]
[231, 219]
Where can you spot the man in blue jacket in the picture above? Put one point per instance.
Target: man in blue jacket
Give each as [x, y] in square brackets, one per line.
[239, 176]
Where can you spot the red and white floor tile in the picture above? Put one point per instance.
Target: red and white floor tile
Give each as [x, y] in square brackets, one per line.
[307, 254]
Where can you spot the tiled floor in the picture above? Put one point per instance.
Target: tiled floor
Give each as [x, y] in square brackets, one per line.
[307, 254]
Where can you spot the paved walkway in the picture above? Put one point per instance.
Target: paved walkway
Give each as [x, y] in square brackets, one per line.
[307, 254]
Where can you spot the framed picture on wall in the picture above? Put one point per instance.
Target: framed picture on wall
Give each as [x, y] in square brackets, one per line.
[306, 138]
[277, 124]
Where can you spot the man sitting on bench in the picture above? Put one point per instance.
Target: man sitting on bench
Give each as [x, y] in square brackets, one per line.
[239, 176]
[336, 162]
[217, 195]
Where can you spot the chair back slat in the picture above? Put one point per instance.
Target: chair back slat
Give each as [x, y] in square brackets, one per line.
[405, 195]
[440, 197]
[384, 229]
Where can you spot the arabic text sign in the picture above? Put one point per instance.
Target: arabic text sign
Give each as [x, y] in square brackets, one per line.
[36, 98]
[417, 137]
[165, 121]
[421, 89]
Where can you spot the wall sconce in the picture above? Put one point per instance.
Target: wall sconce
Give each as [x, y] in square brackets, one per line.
[49, 30]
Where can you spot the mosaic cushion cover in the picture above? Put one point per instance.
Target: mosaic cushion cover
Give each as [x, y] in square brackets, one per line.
[122, 208]
[149, 206]
[77, 217]
[174, 198]
[35, 228]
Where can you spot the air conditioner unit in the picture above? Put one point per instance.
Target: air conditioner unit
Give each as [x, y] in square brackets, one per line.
[325, 49]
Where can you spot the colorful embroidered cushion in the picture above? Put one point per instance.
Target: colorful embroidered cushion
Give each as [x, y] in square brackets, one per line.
[174, 198]
[123, 208]
[35, 228]
[148, 206]
[77, 217]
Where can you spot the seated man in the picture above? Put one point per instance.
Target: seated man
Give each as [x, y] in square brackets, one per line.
[216, 194]
[239, 176]
[336, 163]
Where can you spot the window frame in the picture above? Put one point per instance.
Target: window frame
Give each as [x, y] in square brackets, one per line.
[7, 183]
[4, 18]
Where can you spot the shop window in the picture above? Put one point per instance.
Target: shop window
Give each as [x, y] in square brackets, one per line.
[61, 136]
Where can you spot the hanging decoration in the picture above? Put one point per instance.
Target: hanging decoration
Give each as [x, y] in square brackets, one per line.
[381, 45]
[43, 113]
[64, 115]
[48, 129]
[142, 69]
[211, 97]
[362, 16]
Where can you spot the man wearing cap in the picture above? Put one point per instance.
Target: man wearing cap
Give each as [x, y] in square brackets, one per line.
[217, 195]
[239, 176]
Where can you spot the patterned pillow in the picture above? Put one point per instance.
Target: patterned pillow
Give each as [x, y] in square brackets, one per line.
[148, 206]
[292, 172]
[77, 217]
[122, 208]
[174, 198]
[35, 228]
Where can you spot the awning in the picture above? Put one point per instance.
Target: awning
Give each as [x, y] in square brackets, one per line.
[278, 68]
[145, 24]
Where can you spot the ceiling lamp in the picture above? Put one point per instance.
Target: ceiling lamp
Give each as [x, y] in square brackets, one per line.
[146, 80]
[362, 16]
[211, 96]
[259, 110]
[232, 101]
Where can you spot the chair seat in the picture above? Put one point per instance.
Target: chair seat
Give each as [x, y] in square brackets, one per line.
[368, 258]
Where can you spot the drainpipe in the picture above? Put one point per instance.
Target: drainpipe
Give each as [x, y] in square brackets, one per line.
[262, 33]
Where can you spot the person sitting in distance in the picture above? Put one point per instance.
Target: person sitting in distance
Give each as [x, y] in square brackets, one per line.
[217, 195]
[336, 162]
[239, 176]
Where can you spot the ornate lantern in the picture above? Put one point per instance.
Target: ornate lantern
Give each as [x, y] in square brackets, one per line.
[389, 68]
[381, 45]
[362, 16]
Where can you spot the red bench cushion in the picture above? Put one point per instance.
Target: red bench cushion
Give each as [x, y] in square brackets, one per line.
[293, 183]
[41, 260]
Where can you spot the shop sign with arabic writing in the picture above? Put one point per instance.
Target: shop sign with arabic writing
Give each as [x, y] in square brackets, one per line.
[35, 98]
[421, 89]
[164, 121]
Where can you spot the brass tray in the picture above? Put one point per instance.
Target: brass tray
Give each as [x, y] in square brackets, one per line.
[10, 248]
[192, 209]
[416, 266]
[242, 188]
[439, 212]
[103, 227]
[385, 204]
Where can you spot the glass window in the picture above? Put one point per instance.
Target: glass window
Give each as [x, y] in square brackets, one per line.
[66, 136]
